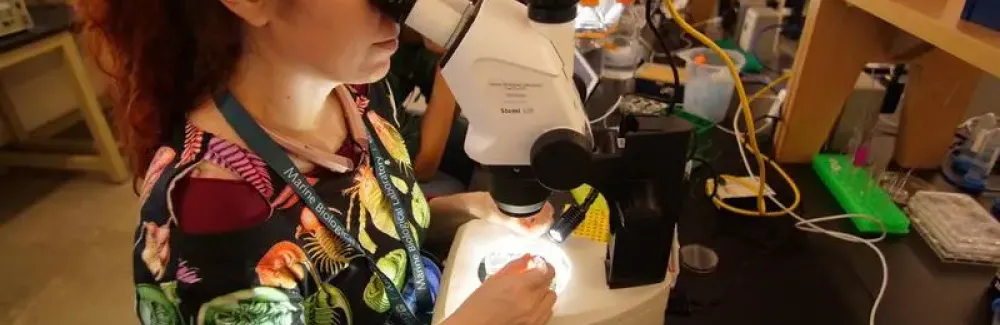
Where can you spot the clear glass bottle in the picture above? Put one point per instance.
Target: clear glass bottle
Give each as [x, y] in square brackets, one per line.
[622, 49]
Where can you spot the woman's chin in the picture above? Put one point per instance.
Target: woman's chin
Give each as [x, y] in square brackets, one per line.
[377, 70]
[370, 70]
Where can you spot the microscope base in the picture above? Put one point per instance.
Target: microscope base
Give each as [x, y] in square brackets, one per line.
[584, 297]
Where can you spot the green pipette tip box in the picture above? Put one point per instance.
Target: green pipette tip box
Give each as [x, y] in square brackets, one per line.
[858, 193]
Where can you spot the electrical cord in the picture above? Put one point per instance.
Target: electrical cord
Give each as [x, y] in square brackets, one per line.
[715, 176]
[719, 202]
[771, 120]
[740, 90]
[759, 83]
[610, 110]
[770, 86]
[757, 95]
[761, 193]
[802, 224]
[670, 57]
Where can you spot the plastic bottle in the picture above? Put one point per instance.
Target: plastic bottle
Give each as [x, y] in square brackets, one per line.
[622, 50]
[590, 27]
[983, 152]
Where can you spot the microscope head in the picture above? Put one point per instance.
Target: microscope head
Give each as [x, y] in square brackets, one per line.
[513, 78]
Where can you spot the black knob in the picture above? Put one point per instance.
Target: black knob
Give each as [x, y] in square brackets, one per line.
[560, 159]
[552, 11]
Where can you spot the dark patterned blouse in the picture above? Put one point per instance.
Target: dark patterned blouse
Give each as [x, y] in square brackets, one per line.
[247, 251]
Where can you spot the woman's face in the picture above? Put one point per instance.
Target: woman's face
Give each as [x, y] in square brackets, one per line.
[348, 41]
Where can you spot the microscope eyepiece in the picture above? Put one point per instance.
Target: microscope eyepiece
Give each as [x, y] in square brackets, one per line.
[552, 11]
[397, 10]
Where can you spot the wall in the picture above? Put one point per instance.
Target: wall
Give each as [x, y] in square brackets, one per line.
[986, 98]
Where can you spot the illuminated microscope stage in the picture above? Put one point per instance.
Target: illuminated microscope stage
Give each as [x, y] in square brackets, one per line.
[584, 297]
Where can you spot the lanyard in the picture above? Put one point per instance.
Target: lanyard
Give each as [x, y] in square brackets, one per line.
[265, 147]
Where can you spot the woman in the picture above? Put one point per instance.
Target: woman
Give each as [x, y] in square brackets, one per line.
[272, 194]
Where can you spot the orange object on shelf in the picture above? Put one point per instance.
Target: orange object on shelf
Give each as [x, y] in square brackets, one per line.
[590, 3]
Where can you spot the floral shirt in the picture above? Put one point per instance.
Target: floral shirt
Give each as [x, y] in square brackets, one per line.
[289, 268]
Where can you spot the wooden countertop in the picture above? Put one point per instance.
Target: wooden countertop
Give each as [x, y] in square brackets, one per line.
[939, 23]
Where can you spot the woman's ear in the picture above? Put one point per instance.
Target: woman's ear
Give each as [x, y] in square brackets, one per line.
[254, 12]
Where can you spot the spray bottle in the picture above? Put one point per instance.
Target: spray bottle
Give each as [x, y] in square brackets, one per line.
[983, 155]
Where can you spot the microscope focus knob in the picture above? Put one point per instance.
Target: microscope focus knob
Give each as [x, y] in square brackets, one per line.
[560, 159]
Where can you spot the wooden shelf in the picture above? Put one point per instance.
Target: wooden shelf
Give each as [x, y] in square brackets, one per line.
[939, 23]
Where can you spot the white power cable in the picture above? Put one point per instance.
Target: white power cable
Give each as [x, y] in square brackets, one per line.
[810, 224]
[608, 113]
[767, 123]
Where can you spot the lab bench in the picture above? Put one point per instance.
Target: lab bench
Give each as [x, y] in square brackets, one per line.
[771, 273]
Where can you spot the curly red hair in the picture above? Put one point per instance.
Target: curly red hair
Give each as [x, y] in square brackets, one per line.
[163, 58]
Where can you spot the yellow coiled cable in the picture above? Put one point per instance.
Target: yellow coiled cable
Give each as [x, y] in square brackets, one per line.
[752, 145]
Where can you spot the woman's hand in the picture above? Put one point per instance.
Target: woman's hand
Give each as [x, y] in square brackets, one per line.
[518, 294]
[466, 206]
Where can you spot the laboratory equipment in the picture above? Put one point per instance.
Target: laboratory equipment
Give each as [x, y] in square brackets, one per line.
[639, 104]
[514, 79]
[623, 281]
[758, 32]
[583, 299]
[741, 7]
[963, 156]
[898, 185]
[854, 191]
[709, 87]
[861, 109]
[504, 251]
[570, 219]
[956, 227]
[983, 155]
[14, 17]
[971, 162]
[655, 79]
[699, 258]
